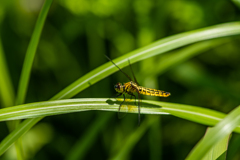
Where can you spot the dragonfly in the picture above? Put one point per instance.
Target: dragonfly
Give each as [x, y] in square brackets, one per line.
[132, 87]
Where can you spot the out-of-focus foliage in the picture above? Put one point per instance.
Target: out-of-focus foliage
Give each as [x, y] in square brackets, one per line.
[76, 36]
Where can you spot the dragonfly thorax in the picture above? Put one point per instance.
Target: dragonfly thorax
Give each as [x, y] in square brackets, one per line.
[119, 87]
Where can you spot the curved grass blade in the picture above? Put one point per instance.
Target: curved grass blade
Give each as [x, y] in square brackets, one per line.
[219, 132]
[75, 105]
[170, 60]
[158, 47]
[31, 50]
[219, 151]
[161, 46]
[56, 107]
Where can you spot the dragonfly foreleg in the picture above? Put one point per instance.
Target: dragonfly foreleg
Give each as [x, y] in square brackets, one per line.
[118, 95]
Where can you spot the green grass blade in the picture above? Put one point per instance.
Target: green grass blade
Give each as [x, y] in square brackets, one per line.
[56, 107]
[31, 50]
[168, 61]
[47, 108]
[133, 139]
[81, 147]
[6, 87]
[237, 3]
[155, 137]
[219, 132]
[219, 151]
[161, 46]
[158, 47]
[15, 134]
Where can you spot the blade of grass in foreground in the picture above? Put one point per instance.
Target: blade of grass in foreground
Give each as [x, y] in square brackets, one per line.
[38, 109]
[196, 114]
[216, 134]
[161, 46]
[219, 151]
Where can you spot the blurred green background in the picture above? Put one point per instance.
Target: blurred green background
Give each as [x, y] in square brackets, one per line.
[76, 36]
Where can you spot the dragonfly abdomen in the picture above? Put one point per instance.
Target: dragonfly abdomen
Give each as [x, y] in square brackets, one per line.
[152, 92]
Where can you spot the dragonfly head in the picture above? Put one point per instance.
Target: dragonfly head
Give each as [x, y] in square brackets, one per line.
[119, 87]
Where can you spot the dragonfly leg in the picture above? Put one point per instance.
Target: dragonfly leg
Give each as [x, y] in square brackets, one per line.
[121, 103]
[119, 95]
[131, 94]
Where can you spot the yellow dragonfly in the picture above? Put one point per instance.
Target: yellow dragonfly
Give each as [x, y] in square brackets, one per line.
[133, 87]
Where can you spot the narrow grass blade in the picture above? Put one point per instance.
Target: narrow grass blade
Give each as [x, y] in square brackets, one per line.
[27, 65]
[37, 110]
[81, 147]
[158, 47]
[15, 134]
[219, 151]
[170, 60]
[219, 132]
[31, 50]
[6, 87]
[133, 139]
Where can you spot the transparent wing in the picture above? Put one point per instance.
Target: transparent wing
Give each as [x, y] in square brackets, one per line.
[135, 80]
[123, 109]
[139, 115]
[119, 68]
[127, 105]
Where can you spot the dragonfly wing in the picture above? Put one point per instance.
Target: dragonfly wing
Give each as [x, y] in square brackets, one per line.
[123, 110]
[139, 115]
[127, 105]
[135, 80]
[119, 68]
